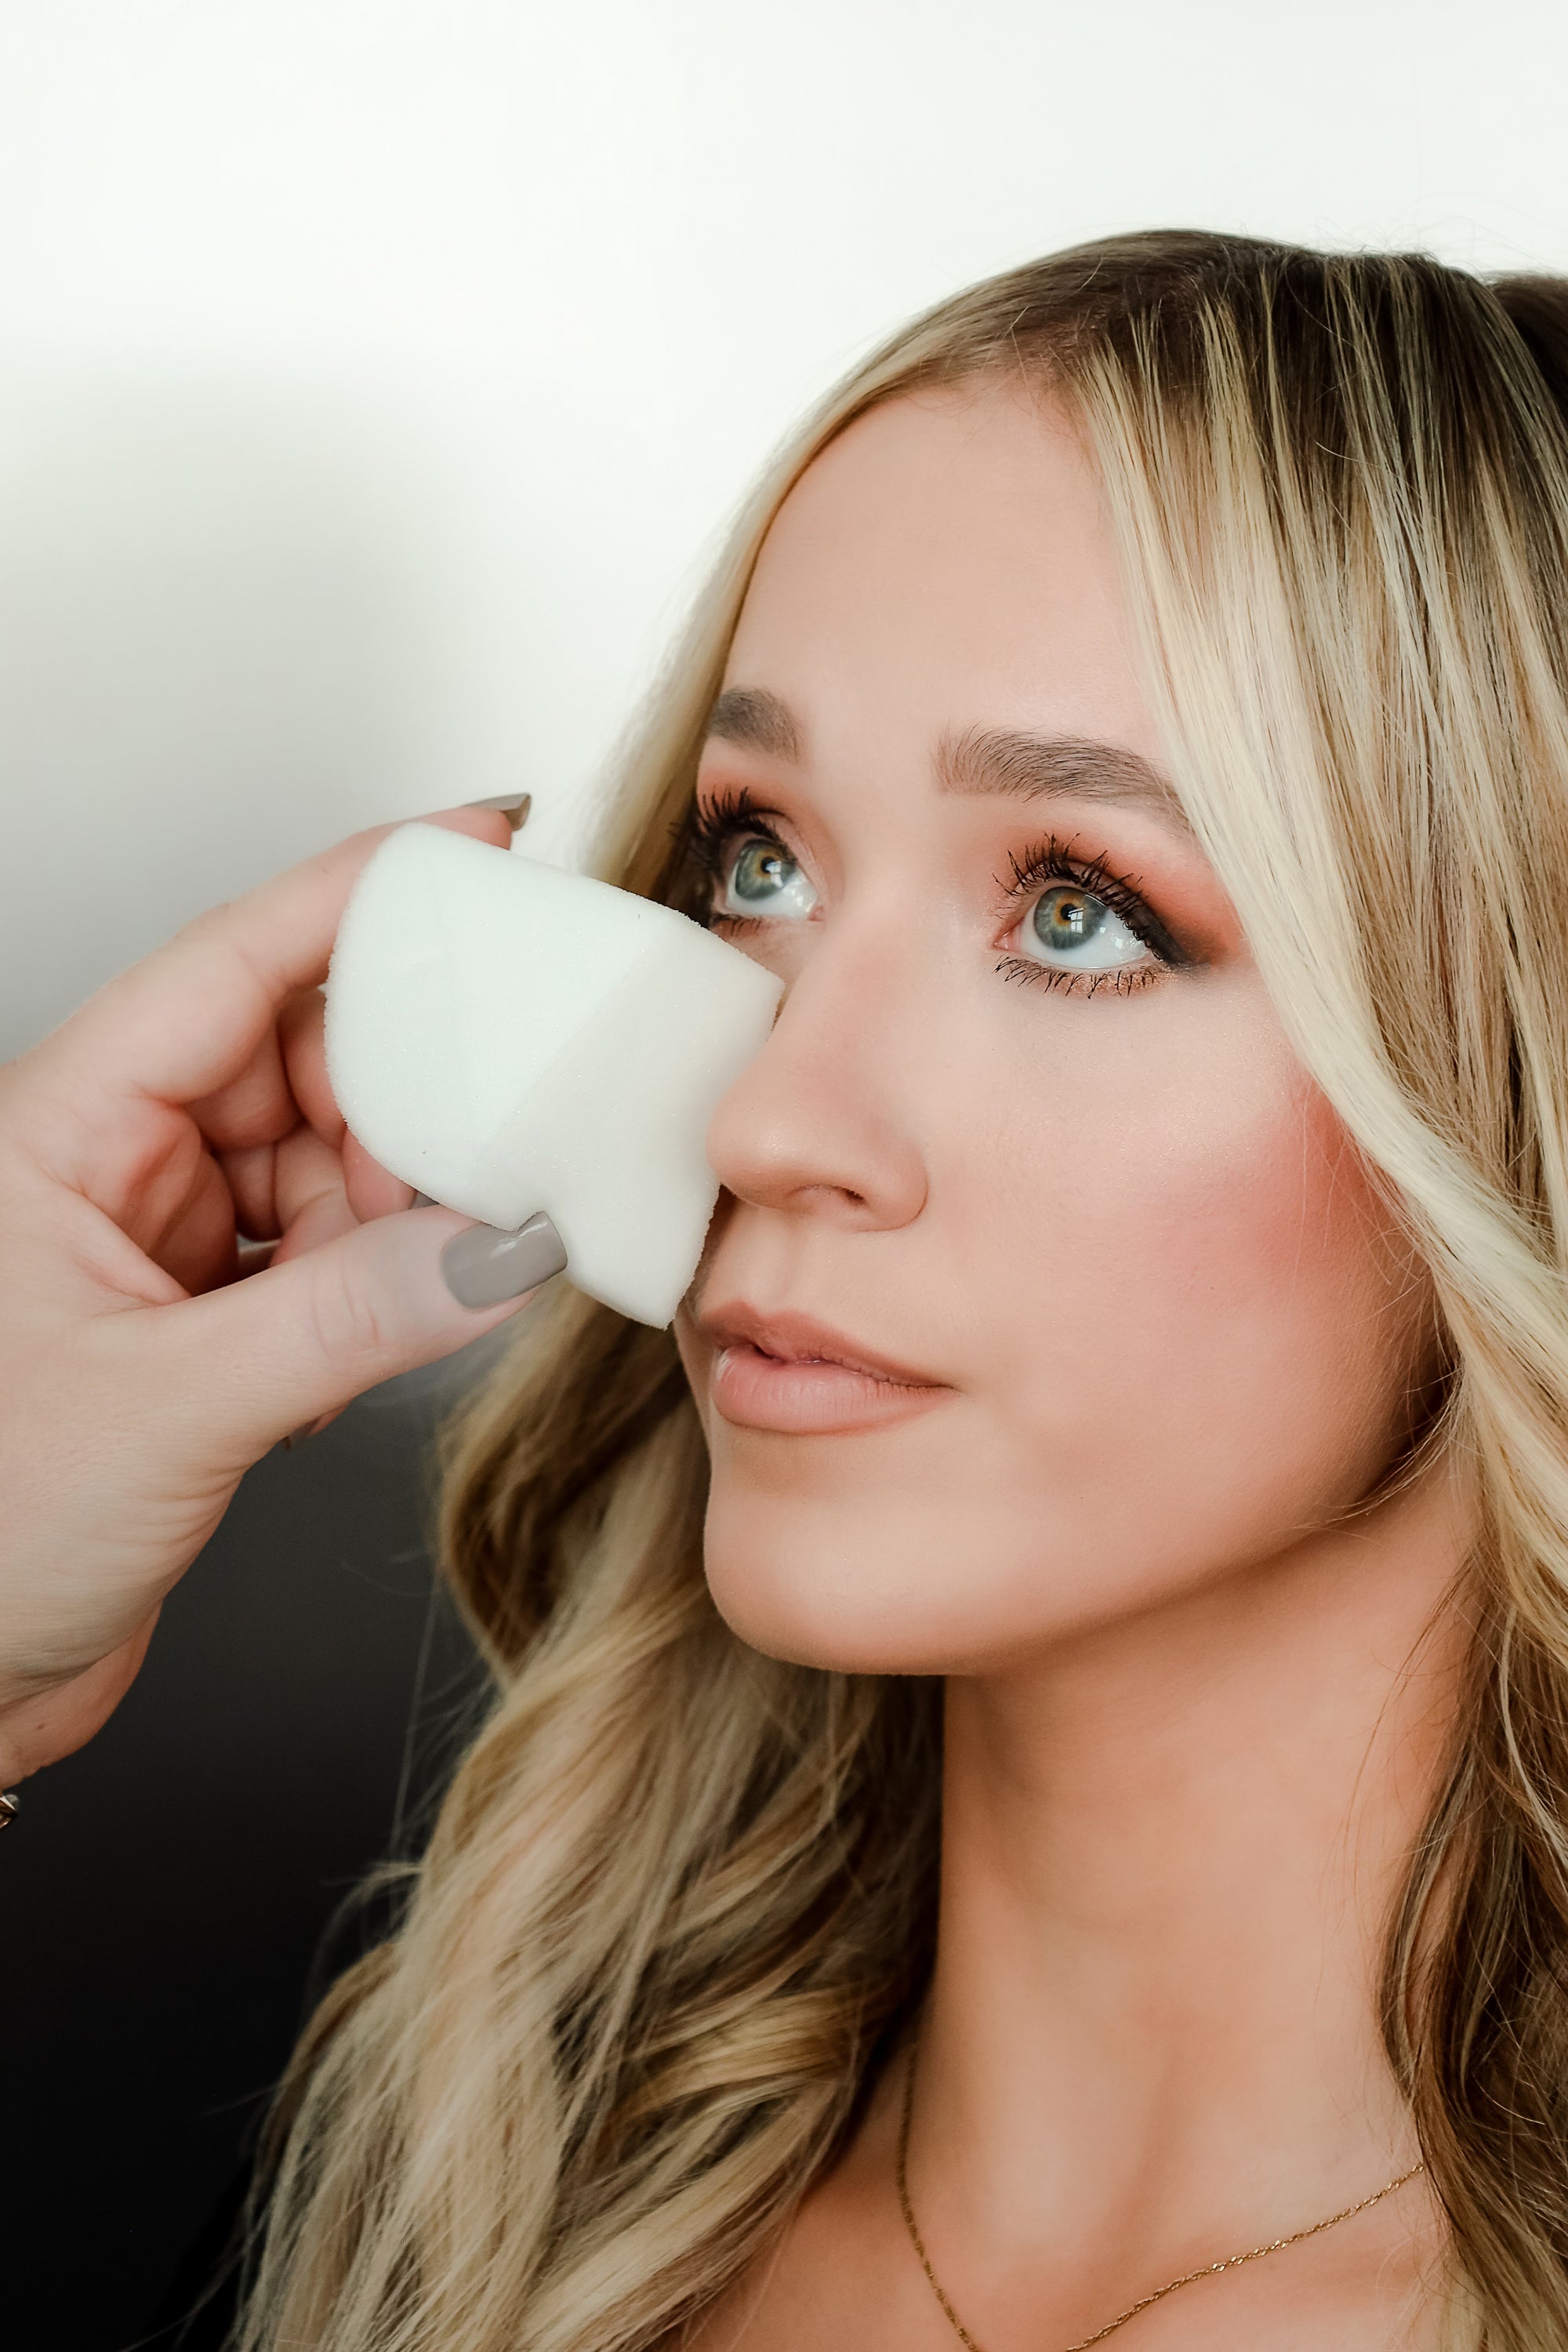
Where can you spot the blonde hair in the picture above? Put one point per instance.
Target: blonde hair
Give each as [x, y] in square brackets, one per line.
[679, 1897]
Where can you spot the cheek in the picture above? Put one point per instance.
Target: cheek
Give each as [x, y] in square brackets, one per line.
[1207, 1312]
[1178, 1322]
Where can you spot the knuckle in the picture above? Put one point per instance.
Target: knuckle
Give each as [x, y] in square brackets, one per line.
[351, 1326]
[202, 926]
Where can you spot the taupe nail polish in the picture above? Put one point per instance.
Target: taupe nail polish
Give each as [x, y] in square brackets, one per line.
[513, 806]
[484, 1265]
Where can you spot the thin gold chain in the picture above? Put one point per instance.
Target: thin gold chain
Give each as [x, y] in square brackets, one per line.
[1209, 2269]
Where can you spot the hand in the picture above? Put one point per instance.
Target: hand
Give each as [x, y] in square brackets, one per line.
[142, 1367]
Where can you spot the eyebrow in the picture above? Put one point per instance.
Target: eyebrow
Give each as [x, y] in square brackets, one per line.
[757, 720]
[1036, 767]
[980, 759]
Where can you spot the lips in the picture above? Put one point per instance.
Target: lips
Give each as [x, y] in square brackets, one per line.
[787, 1372]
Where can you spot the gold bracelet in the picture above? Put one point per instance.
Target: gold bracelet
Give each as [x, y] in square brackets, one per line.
[10, 1806]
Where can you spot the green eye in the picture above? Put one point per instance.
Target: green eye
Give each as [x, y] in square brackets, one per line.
[1073, 929]
[760, 869]
[763, 879]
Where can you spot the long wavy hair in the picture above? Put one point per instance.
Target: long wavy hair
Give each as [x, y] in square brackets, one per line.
[680, 1898]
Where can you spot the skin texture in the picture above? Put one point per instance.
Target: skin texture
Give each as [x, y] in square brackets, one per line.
[1164, 1339]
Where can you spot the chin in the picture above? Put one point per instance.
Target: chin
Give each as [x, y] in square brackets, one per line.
[865, 1560]
[819, 1550]
[884, 1585]
[802, 1618]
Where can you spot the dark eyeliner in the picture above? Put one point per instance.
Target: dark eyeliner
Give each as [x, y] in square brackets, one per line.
[710, 829]
[1051, 862]
[712, 825]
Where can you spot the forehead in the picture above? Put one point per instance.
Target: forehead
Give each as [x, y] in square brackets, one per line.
[946, 563]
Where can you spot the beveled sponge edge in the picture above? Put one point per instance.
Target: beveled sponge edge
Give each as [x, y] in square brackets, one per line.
[508, 1037]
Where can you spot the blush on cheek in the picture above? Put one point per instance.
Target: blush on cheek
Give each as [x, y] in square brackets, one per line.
[1294, 1299]
[1281, 1215]
[1178, 1322]
[1206, 1322]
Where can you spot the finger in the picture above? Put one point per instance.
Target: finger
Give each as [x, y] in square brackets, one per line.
[250, 1177]
[306, 1173]
[188, 1018]
[324, 1219]
[372, 1191]
[359, 1188]
[200, 1247]
[258, 1104]
[310, 1331]
[303, 1039]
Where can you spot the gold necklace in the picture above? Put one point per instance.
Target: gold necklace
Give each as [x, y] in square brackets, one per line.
[1209, 2269]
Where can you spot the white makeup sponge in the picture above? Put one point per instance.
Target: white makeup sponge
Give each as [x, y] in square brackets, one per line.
[509, 1038]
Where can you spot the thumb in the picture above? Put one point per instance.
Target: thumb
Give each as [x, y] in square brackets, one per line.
[261, 1356]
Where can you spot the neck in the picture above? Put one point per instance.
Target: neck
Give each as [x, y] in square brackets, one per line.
[1170, 1854]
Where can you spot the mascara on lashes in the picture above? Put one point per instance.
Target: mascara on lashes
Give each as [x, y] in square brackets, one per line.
[712, 827]
[1052, 862]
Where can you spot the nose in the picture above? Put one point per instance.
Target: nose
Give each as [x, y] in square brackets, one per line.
[819, 1124]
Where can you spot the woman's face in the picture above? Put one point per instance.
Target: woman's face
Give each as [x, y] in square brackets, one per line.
[1045, 1286]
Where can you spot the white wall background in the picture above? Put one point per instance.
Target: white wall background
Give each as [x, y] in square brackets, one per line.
[374, 374]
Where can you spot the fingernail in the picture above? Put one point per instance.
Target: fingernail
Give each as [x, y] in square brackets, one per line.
[513, 806]
[483, 1265]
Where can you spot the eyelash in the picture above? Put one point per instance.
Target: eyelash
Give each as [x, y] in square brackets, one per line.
[712, 827]
[1052, 862]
